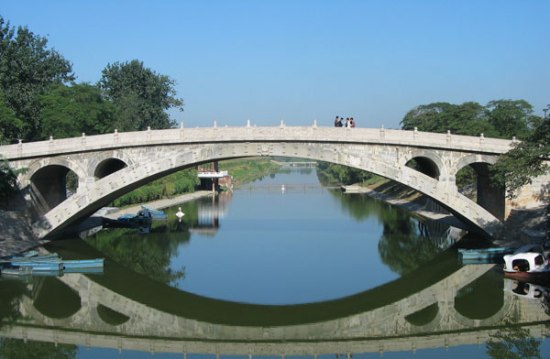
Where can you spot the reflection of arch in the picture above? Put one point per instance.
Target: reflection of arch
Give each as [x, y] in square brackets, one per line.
[111, 316]
[423, 316]
[56, 299]
[472, 301]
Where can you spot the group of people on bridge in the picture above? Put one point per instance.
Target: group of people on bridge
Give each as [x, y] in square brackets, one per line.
[340, 122]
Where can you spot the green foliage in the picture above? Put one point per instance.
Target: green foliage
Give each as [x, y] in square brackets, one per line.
[401, 247]
[248, 169]
[501, 118]
[466, 119]
[10, 300]
[10, 126]
[180, 182]
[21, 349]
[148, 255]
[69, 111]
[343, 175]
[8, 180]
[520, 165]
[513, 343]
[139, 95]
[511, 118]
[28, 69]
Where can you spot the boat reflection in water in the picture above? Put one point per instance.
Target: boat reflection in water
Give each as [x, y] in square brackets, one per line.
[529, 291]
[129, 311]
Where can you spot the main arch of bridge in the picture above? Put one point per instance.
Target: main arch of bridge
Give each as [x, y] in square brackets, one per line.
[137, 158]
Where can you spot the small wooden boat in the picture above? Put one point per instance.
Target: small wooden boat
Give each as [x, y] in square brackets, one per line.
[528, 263]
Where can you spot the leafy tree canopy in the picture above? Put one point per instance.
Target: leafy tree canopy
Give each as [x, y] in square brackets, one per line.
[526, 161]
[70, 111]
[27, 69]
[10, 125]
[140, 96]
[511, 118]
[501, 118]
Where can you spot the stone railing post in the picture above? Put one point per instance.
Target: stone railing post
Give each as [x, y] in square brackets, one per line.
[51, 144]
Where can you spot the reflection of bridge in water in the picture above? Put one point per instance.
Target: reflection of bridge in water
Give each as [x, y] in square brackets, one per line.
[398, 316]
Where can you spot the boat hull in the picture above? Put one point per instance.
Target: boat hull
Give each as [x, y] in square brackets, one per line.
[539, 277]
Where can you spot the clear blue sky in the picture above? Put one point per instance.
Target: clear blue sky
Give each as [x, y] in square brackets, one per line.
[300, 60]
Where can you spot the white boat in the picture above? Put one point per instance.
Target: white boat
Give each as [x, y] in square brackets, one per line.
[526, 290]
[527, 263]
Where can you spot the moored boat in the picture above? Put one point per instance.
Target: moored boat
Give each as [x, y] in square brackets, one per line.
[40, 265]
[484, 255]
[28, 271]
[527, 263]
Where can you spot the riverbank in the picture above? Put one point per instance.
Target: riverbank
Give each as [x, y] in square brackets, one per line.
[412, 201]
[523, 226]
[114, 213]
[16, 234]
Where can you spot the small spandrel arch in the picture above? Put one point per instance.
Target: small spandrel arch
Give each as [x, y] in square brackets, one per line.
[108, 166]
[425, 165]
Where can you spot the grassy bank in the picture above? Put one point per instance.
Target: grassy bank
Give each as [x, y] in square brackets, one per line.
[245, 170]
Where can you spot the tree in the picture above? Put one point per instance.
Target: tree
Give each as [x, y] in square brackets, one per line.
[513, 343]
[140, 96]
[27, 69]
[68, 111]
[465, 119]
[10, 125]
[525, 161]
[511, 118]
[8, 180]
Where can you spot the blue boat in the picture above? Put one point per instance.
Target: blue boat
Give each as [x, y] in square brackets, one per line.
[28, 271]
[16, 259]
[143, 217]
[48, 264]
[484, 255]
[82, 263]
[40, 266]
[61, 263]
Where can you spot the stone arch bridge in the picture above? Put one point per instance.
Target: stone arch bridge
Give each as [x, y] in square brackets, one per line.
[109, 165]
[356, 324]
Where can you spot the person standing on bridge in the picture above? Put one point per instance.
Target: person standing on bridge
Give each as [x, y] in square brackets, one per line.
[351, 122]
[338, 122]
